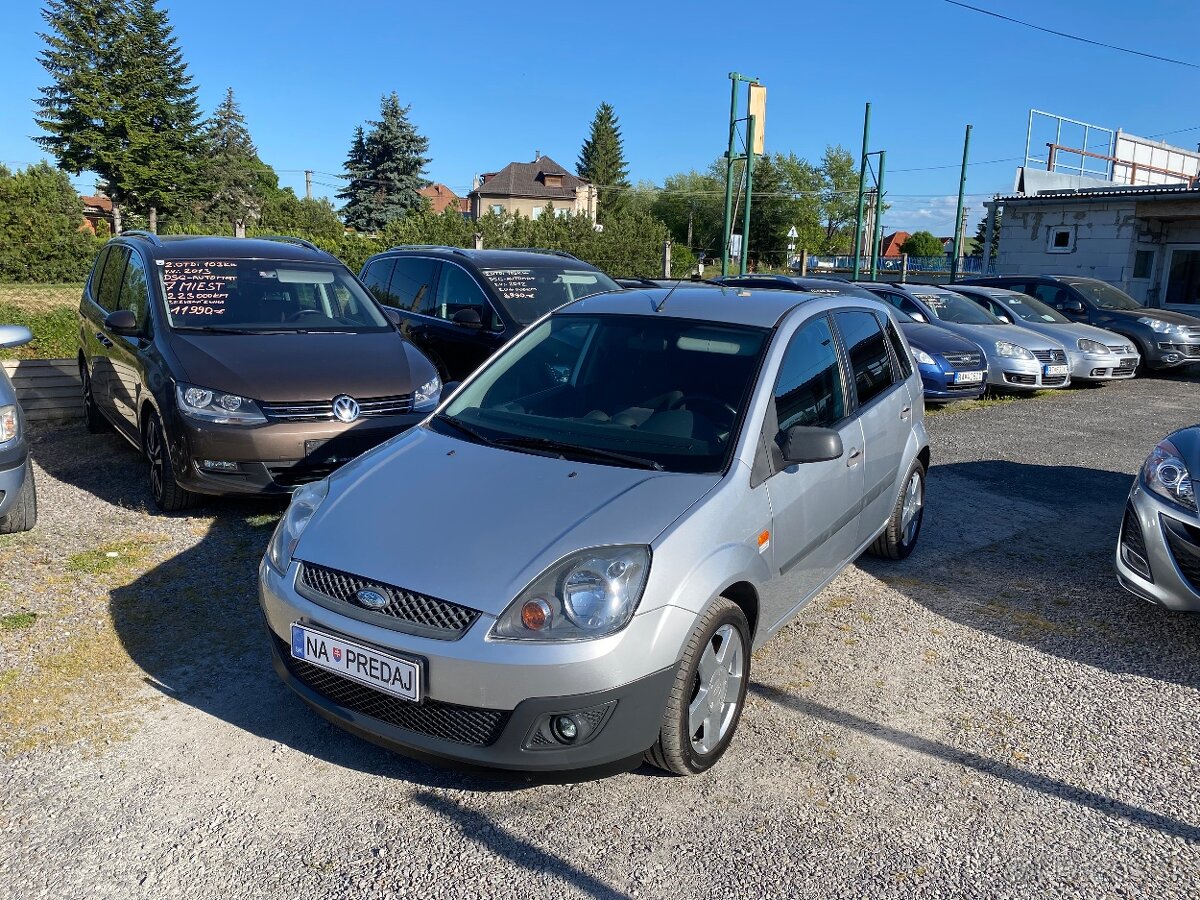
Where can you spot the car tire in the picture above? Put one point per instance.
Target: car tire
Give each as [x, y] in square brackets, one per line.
[168, 495]
[899, 538]
[716, 659]
[93, 419]
[23, 515]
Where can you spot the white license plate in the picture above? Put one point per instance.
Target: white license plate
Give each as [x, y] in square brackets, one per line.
[382, 671]
[1054, 370]
[968, 377]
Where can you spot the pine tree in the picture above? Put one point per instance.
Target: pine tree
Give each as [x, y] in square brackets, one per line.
[234, 174]
[602, 162]
[385, 169]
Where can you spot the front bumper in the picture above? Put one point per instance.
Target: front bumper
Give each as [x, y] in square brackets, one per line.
[14, 465]
[1022, 374]
[938, 384]
[1102, 366]
[484, 699]
[275, 458]
[1158, 551]
[1166, 354]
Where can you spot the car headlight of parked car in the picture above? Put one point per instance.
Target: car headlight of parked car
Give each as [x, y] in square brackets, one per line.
[1087, 346]
[427, 395]
[8, 423]
[216, 406]
[587, 595]
[299, 513]
[1166, 474]
[923, 358]
[1156, 324]
[1011, 350]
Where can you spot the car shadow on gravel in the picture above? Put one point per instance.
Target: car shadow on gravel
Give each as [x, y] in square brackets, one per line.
[1025, 552]
[1022, 778]
[104, 465]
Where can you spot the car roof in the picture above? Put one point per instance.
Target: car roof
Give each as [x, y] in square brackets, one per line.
[189, 246]
[500, 258]
[761, 307]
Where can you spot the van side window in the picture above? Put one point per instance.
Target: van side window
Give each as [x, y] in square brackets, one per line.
[411, 285]
[377, 278]
[808, 390]
[109, 295]
[97, 273]
[898, 345]
[457, 291]
[133, 289]
[867, 348]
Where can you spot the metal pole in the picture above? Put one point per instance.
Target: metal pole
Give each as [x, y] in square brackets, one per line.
[958, 222]
[878, 218]
[733, 104]
[862, 188]
[903, 267]
[750, 123]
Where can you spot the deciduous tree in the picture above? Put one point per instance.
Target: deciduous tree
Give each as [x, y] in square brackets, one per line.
[922, 243]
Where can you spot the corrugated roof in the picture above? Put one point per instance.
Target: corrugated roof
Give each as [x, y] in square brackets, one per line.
[1115, 192]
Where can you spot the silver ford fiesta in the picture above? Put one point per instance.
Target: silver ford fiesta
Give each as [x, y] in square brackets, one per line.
[568, 565]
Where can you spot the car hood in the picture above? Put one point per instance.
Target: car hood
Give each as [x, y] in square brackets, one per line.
[1163, 315]
[474, 524]
[987, 335]
[935, 339]
[1187, 442]
[1070, 333]
[298, 367]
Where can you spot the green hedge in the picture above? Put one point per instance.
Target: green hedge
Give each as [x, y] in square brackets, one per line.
[55, 332]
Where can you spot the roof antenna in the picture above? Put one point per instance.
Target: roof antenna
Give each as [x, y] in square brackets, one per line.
[663, 301]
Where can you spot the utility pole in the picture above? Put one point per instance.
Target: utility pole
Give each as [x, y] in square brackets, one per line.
[959, 227]
[730, 156]
[308, 174]
[862, 188]
[878, 218]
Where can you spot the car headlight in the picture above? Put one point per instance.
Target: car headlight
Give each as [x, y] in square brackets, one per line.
[587, 595]
[216, 406]
[1087, 346]
[923, 358]
[1011, 350]
[8, 423]
[427, 395]
[299, 513]
[1166, 474]
[1156, 324]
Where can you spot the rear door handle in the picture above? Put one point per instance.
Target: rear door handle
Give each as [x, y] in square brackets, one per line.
[853, 457]
[100, 336]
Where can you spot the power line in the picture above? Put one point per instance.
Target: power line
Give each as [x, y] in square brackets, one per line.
[1074, 37]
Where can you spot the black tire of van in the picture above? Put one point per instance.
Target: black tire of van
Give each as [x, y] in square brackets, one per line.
[168, 495]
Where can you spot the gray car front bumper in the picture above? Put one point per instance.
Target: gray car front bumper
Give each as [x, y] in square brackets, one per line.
[14, 469]
[1158, 551]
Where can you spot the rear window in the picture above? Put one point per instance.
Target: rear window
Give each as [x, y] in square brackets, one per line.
[530, 293]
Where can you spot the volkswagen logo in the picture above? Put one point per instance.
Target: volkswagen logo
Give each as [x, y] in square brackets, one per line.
[371, 599]
[345, 409]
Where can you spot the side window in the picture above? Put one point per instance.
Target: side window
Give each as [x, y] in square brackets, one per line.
[377, 277]
[898, 345]
[411, 286]
[1050, 293]
[809, 388]
[109, 295]
[97, 273]
[133, 289]
[457, 291]
[867, 348]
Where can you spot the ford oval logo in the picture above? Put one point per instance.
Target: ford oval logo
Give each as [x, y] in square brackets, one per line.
[345, 409]
[371, 599]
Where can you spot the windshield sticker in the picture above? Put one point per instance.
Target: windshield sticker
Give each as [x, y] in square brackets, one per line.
[513, 284]
[934, 301]
[195, 287]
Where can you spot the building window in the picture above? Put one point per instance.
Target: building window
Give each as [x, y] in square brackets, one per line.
[497, 209]
[1061, 239]
[561, 213]
[1143, 263]
[536, 212]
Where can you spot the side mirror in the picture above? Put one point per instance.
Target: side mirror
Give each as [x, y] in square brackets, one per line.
[920, 317]
[468, 318]
[1005, 319]
[14, 335]
[1074, 306]
[121, 322]
[808, 444]
[392, 316]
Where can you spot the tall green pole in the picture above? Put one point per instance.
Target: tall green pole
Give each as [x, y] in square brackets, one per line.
[750, 123]
[862, 192]
[878, 218]
[958, 223]
[734, 77]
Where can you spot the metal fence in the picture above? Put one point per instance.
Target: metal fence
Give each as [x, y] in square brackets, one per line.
[924, 265]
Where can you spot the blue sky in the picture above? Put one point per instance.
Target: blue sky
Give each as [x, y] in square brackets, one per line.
[492, 82]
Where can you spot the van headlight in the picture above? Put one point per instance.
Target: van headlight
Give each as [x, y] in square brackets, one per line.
[1166, 474]
[9, 424]
[1011, 350]
[426, 397]
[217, 406]
[587, 595]
[299, 513]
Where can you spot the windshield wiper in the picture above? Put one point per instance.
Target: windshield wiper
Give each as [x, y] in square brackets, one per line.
[565, 449]
[465, 429]
[214, 329]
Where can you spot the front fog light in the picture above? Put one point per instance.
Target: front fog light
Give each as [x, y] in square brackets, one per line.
[566, 729]
[560, 730]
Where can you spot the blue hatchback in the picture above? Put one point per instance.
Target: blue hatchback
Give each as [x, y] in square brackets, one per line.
[952, 368]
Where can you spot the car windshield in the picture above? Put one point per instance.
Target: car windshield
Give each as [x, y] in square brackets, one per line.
[531, 292]
[256, 295]
[1105, 295]
[648, 392]
[1031, 309]
[959, 310]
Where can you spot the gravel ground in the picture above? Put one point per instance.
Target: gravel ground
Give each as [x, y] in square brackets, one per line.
[994, 717]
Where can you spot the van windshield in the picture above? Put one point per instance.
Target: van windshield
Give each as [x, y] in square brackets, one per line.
[256, 295]
[529, 293]
[640, 391]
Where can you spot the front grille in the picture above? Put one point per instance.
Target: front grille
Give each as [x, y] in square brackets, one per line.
[423, 615]
[1120, 348]
[1133, 545]
[1053, 380]
[445, 721]
[1184, 550]
[322, 410]
[964, 360]
[1051, 357]
[1018, 378]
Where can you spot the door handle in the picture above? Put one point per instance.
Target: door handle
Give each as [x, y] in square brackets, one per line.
[905, 411]
[103, 339]
[852, 458]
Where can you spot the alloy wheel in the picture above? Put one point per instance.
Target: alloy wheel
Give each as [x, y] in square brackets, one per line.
[914, 503]
[154, 452]
[718, 689]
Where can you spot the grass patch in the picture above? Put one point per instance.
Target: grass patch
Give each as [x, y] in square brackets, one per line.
[110, 557]
[17, 621]
[55, 331]
[262, 520]
[987, 401]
